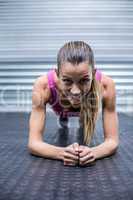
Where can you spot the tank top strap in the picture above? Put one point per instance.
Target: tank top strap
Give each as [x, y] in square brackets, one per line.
[98, 75]
[51, 84]
[51, 81]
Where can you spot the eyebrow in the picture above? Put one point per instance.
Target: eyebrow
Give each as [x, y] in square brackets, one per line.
[86, 76]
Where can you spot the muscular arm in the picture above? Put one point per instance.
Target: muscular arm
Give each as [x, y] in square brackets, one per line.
[36, 145]
[110, 121]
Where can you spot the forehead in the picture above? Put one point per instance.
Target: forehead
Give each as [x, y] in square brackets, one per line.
[68, 69]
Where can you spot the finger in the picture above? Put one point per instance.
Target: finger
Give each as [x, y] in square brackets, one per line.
[70, 150]
[86, 158]
[81, 147]
[70, 156]
[76, 147]
[68, 161]
[71, 160]
[90, 161]
[69, 164]
[85, 152]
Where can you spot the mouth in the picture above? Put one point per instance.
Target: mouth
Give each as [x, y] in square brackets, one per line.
[75, 101]
[76, 104]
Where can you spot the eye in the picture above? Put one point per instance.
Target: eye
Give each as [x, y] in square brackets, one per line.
[67, 81]
[85, 81]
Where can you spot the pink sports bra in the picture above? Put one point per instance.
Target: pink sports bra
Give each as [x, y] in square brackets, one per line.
[54, 101]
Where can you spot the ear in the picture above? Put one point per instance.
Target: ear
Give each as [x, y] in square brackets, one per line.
[98, 75]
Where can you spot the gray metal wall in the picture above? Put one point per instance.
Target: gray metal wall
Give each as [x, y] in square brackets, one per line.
[31, 33]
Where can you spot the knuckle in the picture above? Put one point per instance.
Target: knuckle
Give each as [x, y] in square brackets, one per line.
[66, 149]
[65, 160]
[90, 154]
[65, 154]
[81, 159]
[81, 163]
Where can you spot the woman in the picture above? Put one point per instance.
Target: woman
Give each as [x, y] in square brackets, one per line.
[74, 88]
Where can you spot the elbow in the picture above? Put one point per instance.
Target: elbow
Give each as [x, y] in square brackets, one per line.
[34, 148]
[31, 148]
[114, 147]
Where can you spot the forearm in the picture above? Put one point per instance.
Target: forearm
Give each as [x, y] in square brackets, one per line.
[105, 149]
[46, 150]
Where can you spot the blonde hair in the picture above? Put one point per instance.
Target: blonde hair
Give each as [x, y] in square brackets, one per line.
[77, 52]
[90, 107]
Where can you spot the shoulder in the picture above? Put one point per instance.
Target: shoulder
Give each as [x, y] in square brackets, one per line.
[40, 91]
[108, 84]
[108, 92]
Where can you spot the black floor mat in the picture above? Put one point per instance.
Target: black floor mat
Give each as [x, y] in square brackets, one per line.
[27, 177]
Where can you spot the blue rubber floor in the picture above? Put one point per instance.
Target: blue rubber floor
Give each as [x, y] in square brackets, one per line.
[27, 177]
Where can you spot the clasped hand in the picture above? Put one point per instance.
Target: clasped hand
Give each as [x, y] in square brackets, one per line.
[77, 154]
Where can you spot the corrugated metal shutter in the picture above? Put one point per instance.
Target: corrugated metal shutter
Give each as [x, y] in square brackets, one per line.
[31, 33]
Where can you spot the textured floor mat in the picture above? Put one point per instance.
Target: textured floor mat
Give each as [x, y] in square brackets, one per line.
[27, 177]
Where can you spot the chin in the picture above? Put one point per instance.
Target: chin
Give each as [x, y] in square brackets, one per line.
[75, 105]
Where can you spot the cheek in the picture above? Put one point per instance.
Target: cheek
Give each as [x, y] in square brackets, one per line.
[64, 90]
[61, 86]
[86, 89]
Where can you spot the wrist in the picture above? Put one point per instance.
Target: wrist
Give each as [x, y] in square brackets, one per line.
[60, 154]
[95, 153]
[104, 149]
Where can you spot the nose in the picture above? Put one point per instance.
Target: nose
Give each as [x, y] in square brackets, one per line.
[75, 90]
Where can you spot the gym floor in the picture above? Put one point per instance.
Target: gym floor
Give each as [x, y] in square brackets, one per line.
[27, 177]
